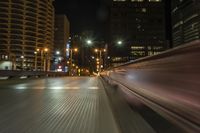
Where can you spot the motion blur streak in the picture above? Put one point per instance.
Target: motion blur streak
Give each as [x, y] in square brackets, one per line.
[168, 83]
[55, 105]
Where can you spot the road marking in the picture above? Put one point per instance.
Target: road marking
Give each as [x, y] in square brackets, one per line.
[58, 88]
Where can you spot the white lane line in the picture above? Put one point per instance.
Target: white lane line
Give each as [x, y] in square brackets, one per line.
[58, 88]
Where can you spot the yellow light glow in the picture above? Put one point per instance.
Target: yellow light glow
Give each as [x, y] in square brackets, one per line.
[46, 49]
[76, 50]
[38, 49]
[96, 50]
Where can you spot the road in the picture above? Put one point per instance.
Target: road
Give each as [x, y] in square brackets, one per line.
[56, 105]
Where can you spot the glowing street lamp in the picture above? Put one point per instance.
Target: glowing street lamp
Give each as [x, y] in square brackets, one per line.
[75, 50]
[35, 60]
[99, 60]
[71, 58]
[96, 50]
[57, 52]
[44, 58]
[119, 42]
[22, 57]
[89, 42]
[46, 49]
[46, 62]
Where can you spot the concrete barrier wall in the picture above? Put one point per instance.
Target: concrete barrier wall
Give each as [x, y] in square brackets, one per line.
[169, 83]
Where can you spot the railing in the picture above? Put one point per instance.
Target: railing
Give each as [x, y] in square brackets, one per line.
[11, 74]
[169, 83]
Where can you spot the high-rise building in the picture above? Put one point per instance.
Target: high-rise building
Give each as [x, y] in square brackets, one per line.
[137, 29]
[26, 33]
[62, 31]
[185, 21]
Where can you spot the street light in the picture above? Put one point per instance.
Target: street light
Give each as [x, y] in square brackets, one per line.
[75, 50]
[59, 58]
[46, 62]
[89, 42]
[35, 60]
[119, 42]
[57, 52]
[46, 49]
[96, 50]
[99, 60]
[44, 57]
[71, 58]
[22, 57]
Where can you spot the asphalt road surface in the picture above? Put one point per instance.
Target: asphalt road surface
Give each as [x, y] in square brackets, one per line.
[55, 105]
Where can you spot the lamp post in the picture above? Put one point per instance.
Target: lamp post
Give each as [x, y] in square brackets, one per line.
[35, 60]
[44, 58]
[119, 43]
[46, 61]
[71, 59]
[89, 42]
[22, 57]
[100, 64]
[57, 52]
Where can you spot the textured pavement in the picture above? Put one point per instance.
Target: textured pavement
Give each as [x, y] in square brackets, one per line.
[55, 105]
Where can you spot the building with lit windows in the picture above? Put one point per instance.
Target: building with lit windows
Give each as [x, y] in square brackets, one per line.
[137, 29]
[185, 21]
[26, 33]
[61, 42]
[62, 31]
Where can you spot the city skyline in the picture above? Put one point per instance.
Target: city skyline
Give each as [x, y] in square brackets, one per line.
[94, 15]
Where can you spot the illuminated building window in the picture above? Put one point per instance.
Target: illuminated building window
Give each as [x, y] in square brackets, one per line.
[119, 0]
[144, 10]
[157, 47]
[138, 53]
[137, 0]
[137, 47]
[155, 0]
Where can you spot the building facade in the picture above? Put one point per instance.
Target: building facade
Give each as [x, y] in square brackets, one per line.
[26, 33]
[62, 33]
[137, 29]
[185, 21]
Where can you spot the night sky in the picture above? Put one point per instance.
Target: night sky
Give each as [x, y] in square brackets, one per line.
[92, 15]
[84, 14]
